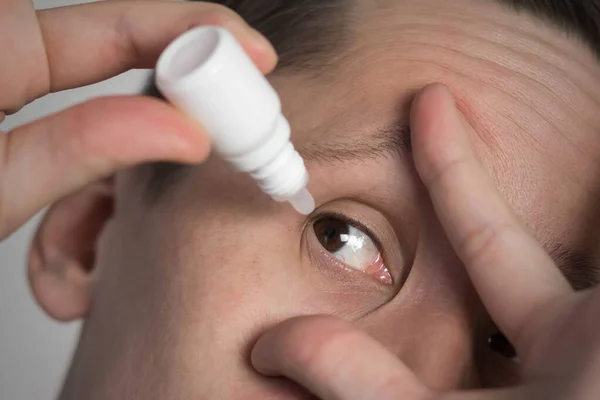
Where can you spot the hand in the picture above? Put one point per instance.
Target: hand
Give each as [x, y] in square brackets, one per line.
[555, 330]
[52, 50]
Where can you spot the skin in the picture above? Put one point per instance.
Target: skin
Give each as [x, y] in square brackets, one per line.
[553, 327]
[176, 293]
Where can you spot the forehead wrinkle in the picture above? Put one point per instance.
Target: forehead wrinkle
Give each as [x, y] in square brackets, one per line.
[557, 113]
[511, 24]
[503, 129]
[521, 43]
[535, 116]
[520, 31]
[496, 52]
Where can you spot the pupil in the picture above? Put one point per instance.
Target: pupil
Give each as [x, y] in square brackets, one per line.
[329, 232]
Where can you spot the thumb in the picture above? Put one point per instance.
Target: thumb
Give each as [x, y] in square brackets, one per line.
[333, 359]
[50, 158]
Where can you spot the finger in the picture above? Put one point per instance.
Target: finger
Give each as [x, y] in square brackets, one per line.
[22, 59]
[334, 360]
[87, 43]
[50, 158]
[125, 35]
[512, 273]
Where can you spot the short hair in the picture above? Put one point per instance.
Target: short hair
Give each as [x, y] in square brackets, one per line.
[306, 34]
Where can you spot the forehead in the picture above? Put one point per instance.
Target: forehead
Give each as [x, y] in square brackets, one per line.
[528, 91]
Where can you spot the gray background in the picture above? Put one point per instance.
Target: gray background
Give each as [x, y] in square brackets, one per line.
[34, 350]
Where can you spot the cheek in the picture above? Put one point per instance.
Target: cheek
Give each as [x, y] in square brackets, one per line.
[201, 273]
[238, 236]
[235, 263]
[235, 277]
[188, 290]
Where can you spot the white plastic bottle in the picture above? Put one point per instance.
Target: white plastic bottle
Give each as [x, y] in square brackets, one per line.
[207, 74]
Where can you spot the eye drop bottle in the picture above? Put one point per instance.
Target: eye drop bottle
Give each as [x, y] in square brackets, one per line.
[207, 74]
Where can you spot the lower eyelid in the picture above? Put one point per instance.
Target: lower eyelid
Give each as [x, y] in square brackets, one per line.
[376, 272]
[375, 269]
[373, 266]
[379, 271]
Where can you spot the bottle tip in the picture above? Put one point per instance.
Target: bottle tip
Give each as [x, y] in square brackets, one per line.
[303, 202]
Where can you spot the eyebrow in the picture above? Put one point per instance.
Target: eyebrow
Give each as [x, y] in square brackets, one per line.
[387, 142]
[579, 267]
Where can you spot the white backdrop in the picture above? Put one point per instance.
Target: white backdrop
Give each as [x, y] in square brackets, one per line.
[34, 350]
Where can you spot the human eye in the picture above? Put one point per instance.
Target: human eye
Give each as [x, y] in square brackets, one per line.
[352, 244]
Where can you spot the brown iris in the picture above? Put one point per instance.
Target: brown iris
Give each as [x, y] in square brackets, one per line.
[329, 233]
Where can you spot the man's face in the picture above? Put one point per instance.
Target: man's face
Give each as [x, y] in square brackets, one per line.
[185, 286]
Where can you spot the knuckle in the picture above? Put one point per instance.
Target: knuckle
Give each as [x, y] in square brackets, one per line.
[479, 245]
[438, 172]
[18, 99]
[6, 222]
[26, 77]
[80, 141]
[122, 41]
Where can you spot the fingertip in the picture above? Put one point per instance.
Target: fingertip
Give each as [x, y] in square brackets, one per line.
[332, 358]
[433, 92]
[261, 51]
[439, 134]
[267, 55]
[256, 45]
[293, 341]
[136, 129]
[431, 106]
[268, 62]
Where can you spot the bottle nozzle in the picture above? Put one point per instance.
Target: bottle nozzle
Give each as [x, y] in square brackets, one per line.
[303, 202]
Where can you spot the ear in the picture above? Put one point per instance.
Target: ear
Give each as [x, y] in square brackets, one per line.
[63, 254]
